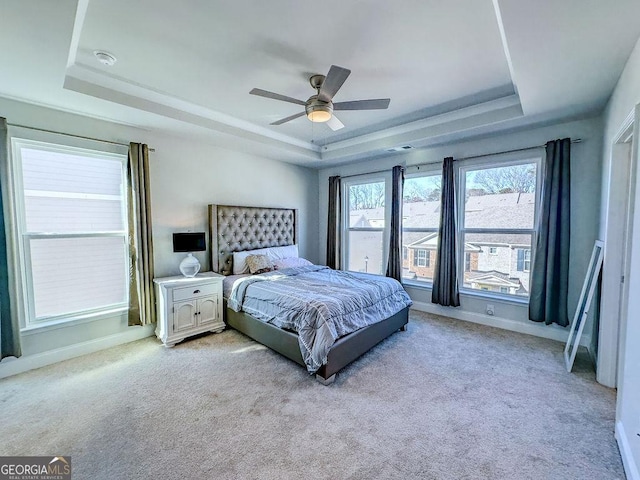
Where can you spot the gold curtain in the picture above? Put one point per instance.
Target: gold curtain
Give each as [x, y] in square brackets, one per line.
[141, 293]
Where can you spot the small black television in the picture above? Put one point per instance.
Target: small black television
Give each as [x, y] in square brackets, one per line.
[189, 242]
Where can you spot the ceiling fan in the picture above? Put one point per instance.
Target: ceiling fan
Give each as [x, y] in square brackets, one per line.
[320, 107]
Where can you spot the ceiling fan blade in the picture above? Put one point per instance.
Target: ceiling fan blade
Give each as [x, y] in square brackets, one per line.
[285, 120]
[275, 96]
[334, 124]
[375, 104]
[332, 83]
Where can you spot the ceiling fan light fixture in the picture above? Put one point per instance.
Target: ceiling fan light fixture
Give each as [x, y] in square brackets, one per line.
[319, 116]
[318, 111]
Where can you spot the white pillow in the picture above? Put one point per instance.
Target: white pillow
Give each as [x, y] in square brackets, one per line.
[281, 263]
[274, 253]
[290, 251]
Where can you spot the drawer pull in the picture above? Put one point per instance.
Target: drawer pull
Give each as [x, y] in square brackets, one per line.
[196, 291]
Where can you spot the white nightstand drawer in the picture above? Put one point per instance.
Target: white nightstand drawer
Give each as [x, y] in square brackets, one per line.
[196, 291]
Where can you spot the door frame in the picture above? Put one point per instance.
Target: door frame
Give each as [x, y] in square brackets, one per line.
[617, 239]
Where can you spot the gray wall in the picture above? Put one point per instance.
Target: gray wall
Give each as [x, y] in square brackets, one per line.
[586, 183]
[186, 175]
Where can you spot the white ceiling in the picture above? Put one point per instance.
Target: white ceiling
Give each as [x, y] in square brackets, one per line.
[451, 68]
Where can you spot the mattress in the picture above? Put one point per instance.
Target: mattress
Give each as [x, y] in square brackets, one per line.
[227, 283]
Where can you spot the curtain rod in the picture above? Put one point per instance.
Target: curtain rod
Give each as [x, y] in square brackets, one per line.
[72, 135]
[577, 140]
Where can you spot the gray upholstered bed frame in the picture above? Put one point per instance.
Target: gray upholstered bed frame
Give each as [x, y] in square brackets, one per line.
[235, 229]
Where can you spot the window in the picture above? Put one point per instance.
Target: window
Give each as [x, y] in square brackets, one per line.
[420, 222]
[405, 253]
[365, 224]
[524, 260]
[497, 224]
[422, 258]
[70, 217]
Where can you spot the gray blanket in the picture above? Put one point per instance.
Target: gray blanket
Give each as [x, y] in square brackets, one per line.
[318, 303]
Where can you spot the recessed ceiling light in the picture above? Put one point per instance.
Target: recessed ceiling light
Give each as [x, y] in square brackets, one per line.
[105, 57]
[401, 148]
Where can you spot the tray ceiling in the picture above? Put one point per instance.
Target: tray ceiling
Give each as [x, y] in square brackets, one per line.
[450, 68]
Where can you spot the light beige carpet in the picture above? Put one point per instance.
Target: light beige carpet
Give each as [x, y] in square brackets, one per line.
[444, 400]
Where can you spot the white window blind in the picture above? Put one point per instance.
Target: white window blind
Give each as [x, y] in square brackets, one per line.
[73, 230]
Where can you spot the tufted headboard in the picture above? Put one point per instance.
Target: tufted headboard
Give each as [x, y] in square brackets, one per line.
[236, 229]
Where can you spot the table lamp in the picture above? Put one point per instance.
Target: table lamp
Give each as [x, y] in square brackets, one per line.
[189, 243]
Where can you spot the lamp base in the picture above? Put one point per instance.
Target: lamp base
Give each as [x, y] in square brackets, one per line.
[190, 266]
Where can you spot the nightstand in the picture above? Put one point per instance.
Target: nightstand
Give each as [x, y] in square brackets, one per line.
[188, 306]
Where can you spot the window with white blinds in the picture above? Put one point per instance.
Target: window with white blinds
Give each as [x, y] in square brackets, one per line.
[72, 230]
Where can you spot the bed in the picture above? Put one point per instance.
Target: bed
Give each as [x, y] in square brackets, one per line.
[238, 229]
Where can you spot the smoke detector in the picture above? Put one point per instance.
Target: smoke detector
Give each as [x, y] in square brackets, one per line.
[105, 58]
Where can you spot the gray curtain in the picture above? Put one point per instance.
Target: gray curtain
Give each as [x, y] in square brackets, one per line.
[333, 224]
[445, 279]
[9, 330]
[550, 274]
[394, 263]
[141, 294]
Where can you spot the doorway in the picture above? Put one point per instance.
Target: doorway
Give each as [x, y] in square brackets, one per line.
[615, 273]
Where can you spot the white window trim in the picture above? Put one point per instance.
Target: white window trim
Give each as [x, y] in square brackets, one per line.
[24, 138]
[534, 155]
[422, 261]
[526, 261]
[386, 230]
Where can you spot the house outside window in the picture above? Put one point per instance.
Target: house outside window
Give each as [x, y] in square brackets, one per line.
[71, 231]
[493, 250]
[467, 261]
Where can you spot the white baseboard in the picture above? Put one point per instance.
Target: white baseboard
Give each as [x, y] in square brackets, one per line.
[530, 328]
[630, 467]
[13, 366]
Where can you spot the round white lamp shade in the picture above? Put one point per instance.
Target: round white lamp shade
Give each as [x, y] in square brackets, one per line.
[190, 266]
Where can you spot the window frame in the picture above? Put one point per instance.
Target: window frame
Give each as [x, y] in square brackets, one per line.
[495, 161]
[380, 177]
[22, 262]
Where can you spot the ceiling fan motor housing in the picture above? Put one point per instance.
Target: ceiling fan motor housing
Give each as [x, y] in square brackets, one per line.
[316, 81]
